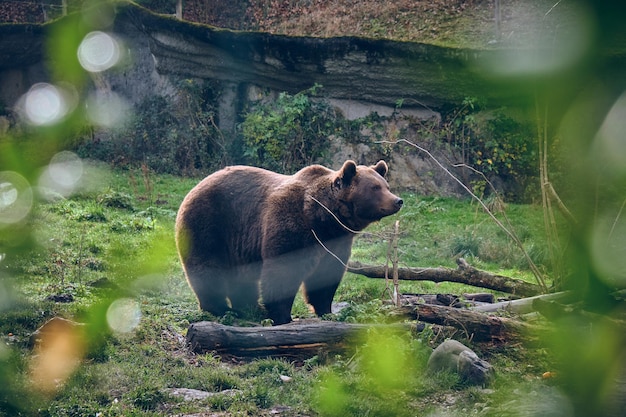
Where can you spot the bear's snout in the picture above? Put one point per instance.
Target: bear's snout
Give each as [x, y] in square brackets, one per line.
[391, 206]
[396, 205]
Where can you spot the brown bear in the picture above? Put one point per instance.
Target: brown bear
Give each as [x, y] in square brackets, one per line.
[245, 233]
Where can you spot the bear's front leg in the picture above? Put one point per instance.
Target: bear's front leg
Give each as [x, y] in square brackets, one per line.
[280, 281]
[321, 285]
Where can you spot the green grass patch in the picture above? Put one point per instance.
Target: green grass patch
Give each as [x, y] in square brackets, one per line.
[115, 241]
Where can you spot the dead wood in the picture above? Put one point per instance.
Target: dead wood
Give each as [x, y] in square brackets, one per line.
[479, 327]
[481, 297]
[448, 300]
[464, 274]
[523, 305]
[295, 339]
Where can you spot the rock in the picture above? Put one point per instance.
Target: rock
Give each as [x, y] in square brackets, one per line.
[189, 394]
[369, 74]
[453, 356]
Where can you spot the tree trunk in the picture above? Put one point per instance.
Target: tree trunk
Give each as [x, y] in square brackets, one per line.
[288, 340]
[464, 274]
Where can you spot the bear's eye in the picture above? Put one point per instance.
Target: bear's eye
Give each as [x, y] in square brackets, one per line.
[376, 187]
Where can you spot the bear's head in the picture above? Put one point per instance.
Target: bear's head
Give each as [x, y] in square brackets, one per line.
[363, 194]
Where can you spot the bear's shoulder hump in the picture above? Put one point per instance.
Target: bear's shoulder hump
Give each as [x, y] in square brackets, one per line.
[312, 172]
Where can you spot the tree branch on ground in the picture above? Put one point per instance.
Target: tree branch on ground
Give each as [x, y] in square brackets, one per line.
[464, 274]
[538, 275]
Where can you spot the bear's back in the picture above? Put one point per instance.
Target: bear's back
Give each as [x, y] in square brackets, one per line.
[312, 173]
[234, 194]
[226, 206]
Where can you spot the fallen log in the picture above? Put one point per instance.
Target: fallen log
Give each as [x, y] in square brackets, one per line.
[523, 305]
[464, 274]
[466, 300]
[481, 297]
[479, 327]
[448, 300]
[295, 339]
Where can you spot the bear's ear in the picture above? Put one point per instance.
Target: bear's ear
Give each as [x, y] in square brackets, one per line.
[345, 175]
[381, 168]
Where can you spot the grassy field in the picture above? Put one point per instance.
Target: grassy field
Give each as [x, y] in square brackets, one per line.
[112, 241]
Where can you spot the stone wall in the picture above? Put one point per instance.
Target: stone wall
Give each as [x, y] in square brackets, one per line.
[359, 77]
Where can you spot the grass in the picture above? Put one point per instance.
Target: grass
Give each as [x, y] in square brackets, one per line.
[115, 241]
[459, 24]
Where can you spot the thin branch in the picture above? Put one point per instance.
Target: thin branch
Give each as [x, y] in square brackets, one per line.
[512, 235]
[562, 207]
[328, 250]
[619, 214]
[335, 217]
[396, 286]
[552, 8]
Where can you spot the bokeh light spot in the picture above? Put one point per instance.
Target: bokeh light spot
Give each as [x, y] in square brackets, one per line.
[98, 52]
[107, 110]
[610, 143]
[63, 174]
[16, 197]
[44, 104]
[608, 248]
[123, 315]
[59, 349]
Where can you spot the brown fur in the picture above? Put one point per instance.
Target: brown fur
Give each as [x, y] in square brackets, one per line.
[245, 233]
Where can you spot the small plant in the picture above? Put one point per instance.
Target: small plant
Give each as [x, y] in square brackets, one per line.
[289, 133]
[133, 224]
[147, 398]
[467, 244]
[116, 199]
[365, 312]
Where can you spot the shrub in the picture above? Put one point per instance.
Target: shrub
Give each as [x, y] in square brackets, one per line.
[506, 148]
[500, 146]
[114, 199]
[289, 133]
[166, 136]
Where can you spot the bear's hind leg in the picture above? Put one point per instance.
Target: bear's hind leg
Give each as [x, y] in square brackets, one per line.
[209, 285]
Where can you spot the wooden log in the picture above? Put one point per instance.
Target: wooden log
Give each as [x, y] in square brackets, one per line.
[523, 305]
[481, 297]
[448, 300]
[295, 339]
[477, 326]
[464, 274]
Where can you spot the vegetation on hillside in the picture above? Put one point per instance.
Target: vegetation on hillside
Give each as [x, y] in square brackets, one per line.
[456, 23]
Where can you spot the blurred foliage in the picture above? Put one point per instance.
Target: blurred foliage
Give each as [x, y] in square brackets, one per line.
[580, 100]
[167, 136]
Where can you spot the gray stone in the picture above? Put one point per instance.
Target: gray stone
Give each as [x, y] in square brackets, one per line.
[453, 356]
[188, 394]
